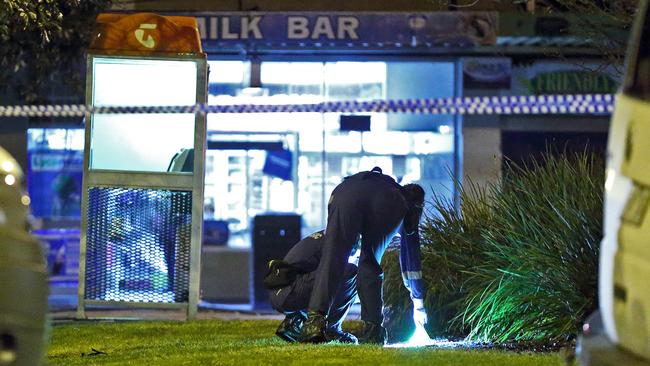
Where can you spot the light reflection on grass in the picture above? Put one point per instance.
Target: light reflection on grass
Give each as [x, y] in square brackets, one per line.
[245, 342]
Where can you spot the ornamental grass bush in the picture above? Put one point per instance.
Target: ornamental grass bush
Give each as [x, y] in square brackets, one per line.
[517, 263]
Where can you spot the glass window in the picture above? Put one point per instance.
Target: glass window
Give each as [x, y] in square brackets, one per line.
[414, 80]
[227, 78]
[54, 172]
[141, 142]
[416, 148]
[355, 80]
[55, 139]
[239, 185]
[298, 79]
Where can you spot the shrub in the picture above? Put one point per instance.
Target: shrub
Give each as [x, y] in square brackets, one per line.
[517, 262]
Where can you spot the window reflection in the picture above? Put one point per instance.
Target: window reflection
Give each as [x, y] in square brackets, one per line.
[324, 154]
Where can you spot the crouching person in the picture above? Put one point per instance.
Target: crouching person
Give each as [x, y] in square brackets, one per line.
[291, 282]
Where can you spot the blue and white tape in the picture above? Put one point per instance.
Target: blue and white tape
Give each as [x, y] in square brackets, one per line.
[535, 104]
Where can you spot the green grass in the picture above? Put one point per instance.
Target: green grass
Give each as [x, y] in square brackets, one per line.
[236, 342]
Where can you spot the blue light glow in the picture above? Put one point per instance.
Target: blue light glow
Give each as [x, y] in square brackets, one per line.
[421, 339]
[436, 343]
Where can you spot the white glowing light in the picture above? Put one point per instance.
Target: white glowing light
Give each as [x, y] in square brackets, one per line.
[141, 142]
[7, 166]
[419, 337]
[609, 180]
[25, 200]
[444, 129]
[10, 179]
[436, 343]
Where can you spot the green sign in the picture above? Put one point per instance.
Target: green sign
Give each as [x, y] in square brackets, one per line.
[571, 82]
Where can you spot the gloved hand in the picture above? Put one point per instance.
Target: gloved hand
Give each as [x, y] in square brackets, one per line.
[419, 313]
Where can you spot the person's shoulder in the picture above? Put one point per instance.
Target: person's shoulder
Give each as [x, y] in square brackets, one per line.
[317, 235]
[312, 239]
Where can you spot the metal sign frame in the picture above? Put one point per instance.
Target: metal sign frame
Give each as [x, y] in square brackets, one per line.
[189, 182]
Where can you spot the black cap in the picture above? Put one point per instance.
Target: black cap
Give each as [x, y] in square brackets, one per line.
[376, 170]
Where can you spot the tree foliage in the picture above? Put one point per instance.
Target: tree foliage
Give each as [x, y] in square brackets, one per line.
[42, 43]
[606, 22]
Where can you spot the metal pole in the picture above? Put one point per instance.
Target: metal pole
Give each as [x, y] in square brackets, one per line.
[323, 157]
[458, 137]
[81, 288]
[198, 186]
[294, 173]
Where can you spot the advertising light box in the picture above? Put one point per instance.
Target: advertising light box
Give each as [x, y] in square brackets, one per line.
[141, 142]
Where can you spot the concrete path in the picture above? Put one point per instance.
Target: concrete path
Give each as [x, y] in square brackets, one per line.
[64, 313]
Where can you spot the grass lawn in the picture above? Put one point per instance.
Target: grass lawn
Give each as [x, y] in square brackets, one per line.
[219, 342]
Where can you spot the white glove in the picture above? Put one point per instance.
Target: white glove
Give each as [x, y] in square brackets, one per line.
[419, 313]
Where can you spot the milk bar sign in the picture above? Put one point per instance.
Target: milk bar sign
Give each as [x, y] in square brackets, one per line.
[375, 29]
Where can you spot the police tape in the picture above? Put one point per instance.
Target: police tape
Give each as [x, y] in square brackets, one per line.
[535, 104]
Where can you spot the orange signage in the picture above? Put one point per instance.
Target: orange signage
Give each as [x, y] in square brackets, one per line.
[147, 33]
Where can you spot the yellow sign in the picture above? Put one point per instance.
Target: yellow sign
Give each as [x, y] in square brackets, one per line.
[146, 32]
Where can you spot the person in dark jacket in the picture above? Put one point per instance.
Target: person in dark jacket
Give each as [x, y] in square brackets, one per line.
[376, 207]
[291, 282]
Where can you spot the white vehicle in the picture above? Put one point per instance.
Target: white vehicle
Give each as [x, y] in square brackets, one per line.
[23, 275]
[625, 251]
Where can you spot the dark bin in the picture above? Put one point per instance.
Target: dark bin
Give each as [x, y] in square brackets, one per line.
[273, 236]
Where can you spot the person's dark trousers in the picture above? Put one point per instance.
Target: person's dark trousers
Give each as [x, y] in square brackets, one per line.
[295, 297]
[344, 224]
[370, 207]
[385, 214]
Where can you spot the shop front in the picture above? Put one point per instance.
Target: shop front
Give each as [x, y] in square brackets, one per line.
[320, 148]
[278, 163]
[284, 165]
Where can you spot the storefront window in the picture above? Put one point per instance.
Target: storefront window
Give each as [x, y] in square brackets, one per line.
[324, 153]
[227, 77]
[54, 172]
[295, 79]
[355, 80]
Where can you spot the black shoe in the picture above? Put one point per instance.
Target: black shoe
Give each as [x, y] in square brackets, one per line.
[313, 331]
[373, 334]
[337, 335]
[290, 328]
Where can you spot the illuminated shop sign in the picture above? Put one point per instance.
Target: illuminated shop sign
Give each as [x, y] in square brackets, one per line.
[341, 29]
[572, 82]
[546, 77]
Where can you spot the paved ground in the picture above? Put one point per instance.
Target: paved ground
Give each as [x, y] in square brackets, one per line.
[63, 309]
[66, 316]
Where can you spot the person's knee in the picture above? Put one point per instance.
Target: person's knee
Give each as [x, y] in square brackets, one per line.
[278, 298]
